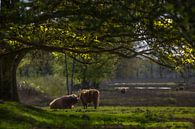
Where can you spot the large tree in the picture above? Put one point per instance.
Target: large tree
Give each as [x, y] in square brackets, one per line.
[159, 30]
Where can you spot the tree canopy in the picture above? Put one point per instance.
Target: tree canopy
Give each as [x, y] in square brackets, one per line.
[159, 29]
[162, 31]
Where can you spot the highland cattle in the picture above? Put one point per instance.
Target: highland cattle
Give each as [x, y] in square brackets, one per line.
[64, 102]
[89, 96]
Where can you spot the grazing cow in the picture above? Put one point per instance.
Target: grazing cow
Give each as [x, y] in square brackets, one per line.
[123, 91]
[89, 95]
[181, 88]
[67, 101]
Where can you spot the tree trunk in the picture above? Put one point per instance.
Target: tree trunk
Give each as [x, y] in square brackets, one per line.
[8, 67]
[151, 70]
[161, 71]
[66, 74]
[84, 83]
[72, 76]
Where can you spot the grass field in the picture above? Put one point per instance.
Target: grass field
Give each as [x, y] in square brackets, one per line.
[19, 116]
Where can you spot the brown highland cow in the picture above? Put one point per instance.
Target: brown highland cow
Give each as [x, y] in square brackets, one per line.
[89, 95]
[67, 101]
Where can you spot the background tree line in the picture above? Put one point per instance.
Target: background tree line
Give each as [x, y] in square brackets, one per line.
[65, 73]
[58, 74]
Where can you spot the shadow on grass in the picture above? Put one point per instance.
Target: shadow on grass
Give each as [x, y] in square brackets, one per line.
[14, 114]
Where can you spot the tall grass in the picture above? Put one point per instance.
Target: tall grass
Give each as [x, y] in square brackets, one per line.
[52, 85]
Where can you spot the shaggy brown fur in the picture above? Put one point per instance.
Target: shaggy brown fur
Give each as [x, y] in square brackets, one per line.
[89, 95]
[67, 101]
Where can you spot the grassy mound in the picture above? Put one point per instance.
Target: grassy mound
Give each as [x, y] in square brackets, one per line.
[19, 116]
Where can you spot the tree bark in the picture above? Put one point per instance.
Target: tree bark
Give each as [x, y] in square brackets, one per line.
[8, 67]
[72, 76]
[66, 74]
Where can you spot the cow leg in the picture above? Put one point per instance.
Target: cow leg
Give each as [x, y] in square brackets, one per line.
[85, 106]
[96, 103]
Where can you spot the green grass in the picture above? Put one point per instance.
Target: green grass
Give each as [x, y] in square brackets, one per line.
[18, 116]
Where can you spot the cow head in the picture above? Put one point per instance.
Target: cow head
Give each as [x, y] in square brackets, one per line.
[74, 98]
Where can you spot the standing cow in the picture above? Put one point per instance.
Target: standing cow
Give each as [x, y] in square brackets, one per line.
[89, 95]
[67, 101]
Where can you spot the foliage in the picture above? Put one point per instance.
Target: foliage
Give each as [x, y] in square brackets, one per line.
[51, 85]
[38, 64]
[18, 116]
[162, 31]
[103, 68]
[96, 27]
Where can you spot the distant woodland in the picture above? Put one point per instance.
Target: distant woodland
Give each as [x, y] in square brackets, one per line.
[56, 73]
